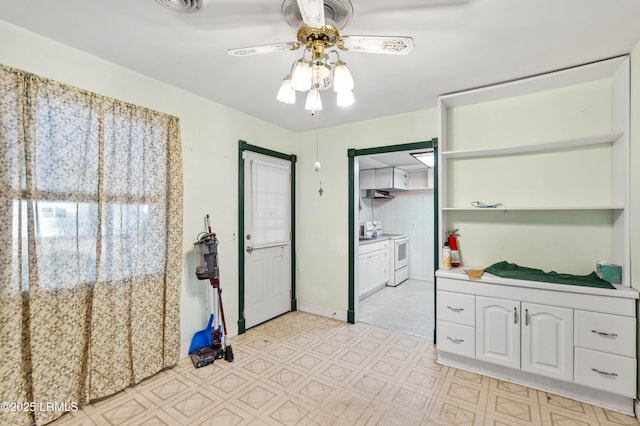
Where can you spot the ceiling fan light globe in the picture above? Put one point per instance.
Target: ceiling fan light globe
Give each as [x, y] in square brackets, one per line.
[287, 93]
[342, 79]
[345, 98]
[319, 72]
[313, 102]
[301, 76]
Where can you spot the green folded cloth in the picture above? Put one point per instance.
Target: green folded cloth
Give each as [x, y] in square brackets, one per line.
[511, 270]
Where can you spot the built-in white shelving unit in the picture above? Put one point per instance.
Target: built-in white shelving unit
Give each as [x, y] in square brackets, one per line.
[551, 153]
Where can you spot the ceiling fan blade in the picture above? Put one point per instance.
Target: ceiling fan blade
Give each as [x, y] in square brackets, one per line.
[377, 44]
[265, 48]
[312, 12]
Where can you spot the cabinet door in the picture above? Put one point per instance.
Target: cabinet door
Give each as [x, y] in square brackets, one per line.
[367, 179]
[400, 179]
[384, 178]
[369, 272]
[547, 341]
[498, 331]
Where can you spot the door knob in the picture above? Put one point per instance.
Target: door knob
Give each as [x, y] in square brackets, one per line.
[249, 249]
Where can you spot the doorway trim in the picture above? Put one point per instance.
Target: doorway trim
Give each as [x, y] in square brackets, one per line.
[242, 147]
[352, 153]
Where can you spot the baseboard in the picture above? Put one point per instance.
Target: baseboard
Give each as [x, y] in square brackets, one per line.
[322, 311]
[568, 390]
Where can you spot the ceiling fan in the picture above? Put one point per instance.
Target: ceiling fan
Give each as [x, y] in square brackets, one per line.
[318, 23]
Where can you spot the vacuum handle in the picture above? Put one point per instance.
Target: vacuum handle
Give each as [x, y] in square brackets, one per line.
[208, 224]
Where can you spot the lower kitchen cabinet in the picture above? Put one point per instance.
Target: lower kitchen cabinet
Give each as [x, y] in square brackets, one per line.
[498, 331]
[531, 337]
[574, 341]
[374, 267]
[547, 341]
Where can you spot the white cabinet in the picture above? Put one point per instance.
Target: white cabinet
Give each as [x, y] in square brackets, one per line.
[547, 341]
[369, 273]
[578, 342]
[368, 179]
[530, 337]
[374, 267]
[390, 178]
[605, 352]
[498, 331]
[386, 178]
[456, 318]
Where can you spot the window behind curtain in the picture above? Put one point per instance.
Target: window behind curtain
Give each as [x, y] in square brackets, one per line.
[90, 243]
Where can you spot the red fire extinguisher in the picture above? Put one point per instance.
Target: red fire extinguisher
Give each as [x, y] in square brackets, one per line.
[453, 246]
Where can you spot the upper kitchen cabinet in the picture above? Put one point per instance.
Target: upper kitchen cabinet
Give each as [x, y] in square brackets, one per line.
[386, 178]
[550, 154]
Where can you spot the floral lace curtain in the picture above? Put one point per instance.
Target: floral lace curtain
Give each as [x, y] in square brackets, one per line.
[90, 245]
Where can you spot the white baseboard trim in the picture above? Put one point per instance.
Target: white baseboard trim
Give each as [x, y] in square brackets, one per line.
[574, 391]
[322, 311]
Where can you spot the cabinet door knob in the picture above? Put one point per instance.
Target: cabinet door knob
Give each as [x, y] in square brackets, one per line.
[455, 340]
[605, 334]
[604, 373]
[455, 309]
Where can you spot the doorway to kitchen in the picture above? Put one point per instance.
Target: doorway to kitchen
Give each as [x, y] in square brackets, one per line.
[392, 222]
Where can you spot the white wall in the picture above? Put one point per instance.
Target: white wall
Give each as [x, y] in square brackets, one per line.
[322, 226]
[210, 134]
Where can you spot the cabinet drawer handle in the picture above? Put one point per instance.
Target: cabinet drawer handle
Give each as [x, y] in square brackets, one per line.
[455, 340]
[455, 309]
[604, 334]
[515, 315]
[604, 373]
[526, 317]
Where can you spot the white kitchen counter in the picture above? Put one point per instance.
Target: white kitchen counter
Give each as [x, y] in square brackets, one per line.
[460, 273]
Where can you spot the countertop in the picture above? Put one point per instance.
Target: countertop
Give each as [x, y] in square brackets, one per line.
[383, 237]
[461, 274]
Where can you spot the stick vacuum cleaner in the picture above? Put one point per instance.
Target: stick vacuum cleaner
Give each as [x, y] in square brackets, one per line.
[206, 345]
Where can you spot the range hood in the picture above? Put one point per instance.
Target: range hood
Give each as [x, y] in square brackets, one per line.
[378, 194]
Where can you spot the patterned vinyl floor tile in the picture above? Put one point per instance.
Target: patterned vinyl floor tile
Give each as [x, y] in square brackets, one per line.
[304, 369]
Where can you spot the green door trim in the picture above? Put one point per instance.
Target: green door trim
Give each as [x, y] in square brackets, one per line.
[352, 153]
[242, 147]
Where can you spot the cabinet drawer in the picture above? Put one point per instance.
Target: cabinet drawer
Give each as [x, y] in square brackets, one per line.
[607, 333]
[607, 372]
[457, 308]
[456, 339]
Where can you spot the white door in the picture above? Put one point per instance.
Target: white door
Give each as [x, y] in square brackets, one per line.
[498, 331]
[267, 239]
[547, 341]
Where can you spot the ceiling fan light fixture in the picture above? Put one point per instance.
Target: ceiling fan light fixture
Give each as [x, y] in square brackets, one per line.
[319, 72]
[313, 102]
[287, 93]
[301, 76]
[342, 79]
[345, 98]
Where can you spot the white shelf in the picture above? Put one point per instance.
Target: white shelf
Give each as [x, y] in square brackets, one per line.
[546, 208]
[537, 147]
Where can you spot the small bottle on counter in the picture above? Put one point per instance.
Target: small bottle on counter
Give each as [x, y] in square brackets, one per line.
[446, 256]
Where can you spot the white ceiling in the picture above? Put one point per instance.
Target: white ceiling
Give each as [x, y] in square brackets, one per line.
[459, 44]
